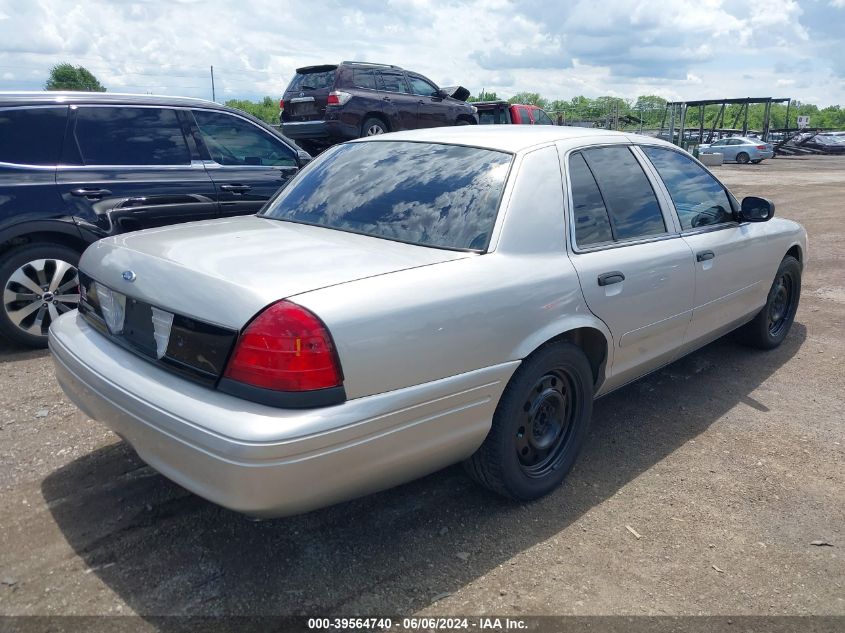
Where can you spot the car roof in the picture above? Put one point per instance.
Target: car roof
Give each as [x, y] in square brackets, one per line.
[115, 98]
[512, 138]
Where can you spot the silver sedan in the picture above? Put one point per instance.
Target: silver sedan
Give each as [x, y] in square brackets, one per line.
[417, 300]
[740, 149]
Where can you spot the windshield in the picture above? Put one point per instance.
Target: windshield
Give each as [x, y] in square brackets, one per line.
[422, 193]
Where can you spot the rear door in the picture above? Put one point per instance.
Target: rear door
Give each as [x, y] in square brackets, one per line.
[636, 272]
[133, 167]
[247, 163]
[400, 105]
[431, 110]
[731, 274]
[30, 142]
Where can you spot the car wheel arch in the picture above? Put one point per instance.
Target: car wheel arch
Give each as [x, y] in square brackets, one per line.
[795, 251]
[375, 115]
[593, 339]
[23, 234]
[465, 118]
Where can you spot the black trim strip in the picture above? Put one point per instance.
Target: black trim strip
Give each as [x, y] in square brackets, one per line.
[284, 399]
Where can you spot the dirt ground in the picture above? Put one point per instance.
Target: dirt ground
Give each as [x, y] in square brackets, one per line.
[728, 464]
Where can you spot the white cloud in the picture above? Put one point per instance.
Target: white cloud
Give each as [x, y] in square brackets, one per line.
[681, 49]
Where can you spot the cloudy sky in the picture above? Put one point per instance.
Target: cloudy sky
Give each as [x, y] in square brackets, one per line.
[679, 49]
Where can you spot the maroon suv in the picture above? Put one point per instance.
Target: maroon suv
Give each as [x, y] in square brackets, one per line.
[332, 103]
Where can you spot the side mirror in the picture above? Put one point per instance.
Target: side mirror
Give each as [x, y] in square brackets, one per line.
[303, 157]
[756, 209]
[441, 94]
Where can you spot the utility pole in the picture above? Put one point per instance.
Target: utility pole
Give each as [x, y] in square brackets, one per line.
[213, 96]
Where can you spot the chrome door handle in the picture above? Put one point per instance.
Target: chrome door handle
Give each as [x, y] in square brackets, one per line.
[90, 193]
[236, 188]
[704, 256]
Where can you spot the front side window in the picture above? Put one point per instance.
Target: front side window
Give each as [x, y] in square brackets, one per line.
[420, 86]
[232, 141]
[32, 136]
[429, 194]
[631, 203]
[541, 118]
[130, 136]
[699, 199]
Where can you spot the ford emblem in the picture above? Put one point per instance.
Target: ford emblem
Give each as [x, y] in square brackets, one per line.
[129, 275]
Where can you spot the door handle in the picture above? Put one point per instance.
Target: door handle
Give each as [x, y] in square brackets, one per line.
[703, 256]
[90, 193]
[385, 98]
[235, 188]
[613, 277]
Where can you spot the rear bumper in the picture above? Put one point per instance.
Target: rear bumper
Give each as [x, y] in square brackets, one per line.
[266, 461]
[326, 131]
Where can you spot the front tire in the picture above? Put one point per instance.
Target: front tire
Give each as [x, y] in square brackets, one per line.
[539, 425]
[771, 325]
[39, 282]
[742, 158]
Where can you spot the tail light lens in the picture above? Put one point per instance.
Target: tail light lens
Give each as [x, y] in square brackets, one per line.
[281, 104]
[761, 147]
[338, 97]
[285, 348]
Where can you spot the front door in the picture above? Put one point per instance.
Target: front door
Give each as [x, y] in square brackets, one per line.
[400, 105]
[431, 111]
[248, 164]
[128, 168]
[729, 258]
[636, 274]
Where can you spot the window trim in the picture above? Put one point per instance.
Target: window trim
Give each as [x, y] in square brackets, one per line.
[677, 218]
[73, 118]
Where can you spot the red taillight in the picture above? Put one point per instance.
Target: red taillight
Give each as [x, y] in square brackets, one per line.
[285, 348]
[333, 99]
[338, 97]
[761, 147]
[281, 104]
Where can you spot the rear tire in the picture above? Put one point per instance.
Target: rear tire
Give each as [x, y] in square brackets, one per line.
[771, 325]
[39, 282]
[373, 127]
[742, 158]
[539, 425]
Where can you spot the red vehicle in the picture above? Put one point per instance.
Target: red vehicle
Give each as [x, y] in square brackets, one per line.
[500, 112]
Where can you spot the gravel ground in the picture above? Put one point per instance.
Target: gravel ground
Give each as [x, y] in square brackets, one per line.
[701, 490]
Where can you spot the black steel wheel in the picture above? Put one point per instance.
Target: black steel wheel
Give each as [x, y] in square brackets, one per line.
[742, 158]
[771, 325]
[539, 425]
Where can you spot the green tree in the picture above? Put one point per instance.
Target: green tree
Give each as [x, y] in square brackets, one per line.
[484, 96]
[70, 77]
[528, 98]
[267, 109]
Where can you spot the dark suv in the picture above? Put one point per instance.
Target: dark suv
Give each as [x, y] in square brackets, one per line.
[75, 167]
[329, 104]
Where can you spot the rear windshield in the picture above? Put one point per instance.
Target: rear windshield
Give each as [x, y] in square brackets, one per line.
[421, 193]
[312, 81]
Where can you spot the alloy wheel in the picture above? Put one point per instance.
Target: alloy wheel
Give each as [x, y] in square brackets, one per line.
[375, 130]
[38, 292]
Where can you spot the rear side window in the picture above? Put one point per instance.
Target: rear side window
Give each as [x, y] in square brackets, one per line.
[631, 204]
[130, 136]
[430, 194]
[524, 117]
[232, 141]
[364, 79]
[313, 80]
[698, 197]
[394, 82]
[32, 136]
[592, 225]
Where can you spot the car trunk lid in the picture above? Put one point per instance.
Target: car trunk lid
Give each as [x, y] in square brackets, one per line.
[223, 272]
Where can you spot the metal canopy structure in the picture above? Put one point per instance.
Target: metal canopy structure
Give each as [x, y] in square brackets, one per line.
[676, 113]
